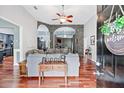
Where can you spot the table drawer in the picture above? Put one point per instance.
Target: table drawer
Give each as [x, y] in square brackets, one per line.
[45, 67]
[59, 67]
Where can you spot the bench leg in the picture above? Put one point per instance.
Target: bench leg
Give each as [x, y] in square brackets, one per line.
[39, 78]
[42, 76]
[66, 80]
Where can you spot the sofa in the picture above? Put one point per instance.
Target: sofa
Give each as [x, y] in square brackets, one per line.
[34, 59]
[49, 51]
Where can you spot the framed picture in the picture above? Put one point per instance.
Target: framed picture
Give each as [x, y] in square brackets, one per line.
[92, 40]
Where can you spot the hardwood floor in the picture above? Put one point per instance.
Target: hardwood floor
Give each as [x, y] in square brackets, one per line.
[109, 84]
[9, 78]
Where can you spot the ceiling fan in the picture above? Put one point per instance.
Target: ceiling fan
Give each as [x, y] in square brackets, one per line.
[62, 17]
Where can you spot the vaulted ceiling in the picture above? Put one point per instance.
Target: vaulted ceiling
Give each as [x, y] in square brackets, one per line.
[45, 13]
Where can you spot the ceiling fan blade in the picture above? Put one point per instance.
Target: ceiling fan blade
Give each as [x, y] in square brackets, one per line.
[55, 19]
[69, 20]
[58, 14]
[70, 16]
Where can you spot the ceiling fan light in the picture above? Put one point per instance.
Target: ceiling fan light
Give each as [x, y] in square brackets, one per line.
[62, 20]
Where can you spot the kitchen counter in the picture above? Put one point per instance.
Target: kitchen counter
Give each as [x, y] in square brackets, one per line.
[1, 49]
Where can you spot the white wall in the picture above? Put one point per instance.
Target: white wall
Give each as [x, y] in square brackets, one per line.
[28, 26]
[90, 29]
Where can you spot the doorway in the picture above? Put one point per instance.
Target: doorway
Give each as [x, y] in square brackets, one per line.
[64, 38]
[6, 46]
[9, 42]
[43, 37]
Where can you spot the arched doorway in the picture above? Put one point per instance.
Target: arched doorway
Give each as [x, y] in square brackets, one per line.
[63, 37]
[43, 37]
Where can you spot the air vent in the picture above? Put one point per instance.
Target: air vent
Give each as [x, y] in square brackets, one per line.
[35, 7]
